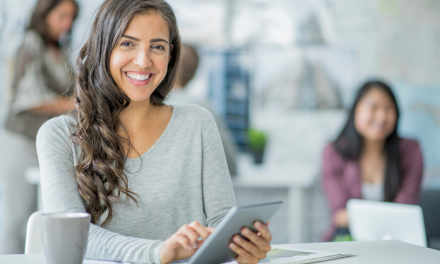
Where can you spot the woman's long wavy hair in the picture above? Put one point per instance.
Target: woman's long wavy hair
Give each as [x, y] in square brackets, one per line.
[349, 143]
[100, 172]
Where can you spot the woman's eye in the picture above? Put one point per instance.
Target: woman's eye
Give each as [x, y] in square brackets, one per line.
[126, 44]
[158, 47]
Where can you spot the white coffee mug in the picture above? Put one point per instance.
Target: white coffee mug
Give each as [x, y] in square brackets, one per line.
[64, 237]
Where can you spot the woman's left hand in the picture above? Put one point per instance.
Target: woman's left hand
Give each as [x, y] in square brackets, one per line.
[254, 247]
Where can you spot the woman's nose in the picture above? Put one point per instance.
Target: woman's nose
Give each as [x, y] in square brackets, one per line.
[142, 59]
[381, 115]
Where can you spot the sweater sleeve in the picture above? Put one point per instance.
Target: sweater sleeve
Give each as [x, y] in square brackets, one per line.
[332, 180]
[412, 172]
[218, 194]
[60, 194]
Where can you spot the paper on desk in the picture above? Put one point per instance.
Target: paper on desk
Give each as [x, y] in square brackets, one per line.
[284, 254]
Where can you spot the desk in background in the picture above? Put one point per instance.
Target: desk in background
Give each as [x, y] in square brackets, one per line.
[377, 252]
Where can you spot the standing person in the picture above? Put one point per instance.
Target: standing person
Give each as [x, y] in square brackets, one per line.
[40, 81]
[148, 173]
[369, 160]
[189, 61]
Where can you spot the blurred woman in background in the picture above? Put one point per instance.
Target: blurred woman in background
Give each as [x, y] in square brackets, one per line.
[40, 90]
[41, 78]
[368, 160]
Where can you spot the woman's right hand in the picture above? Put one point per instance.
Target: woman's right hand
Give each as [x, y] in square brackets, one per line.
[184, 243]
[341, 218]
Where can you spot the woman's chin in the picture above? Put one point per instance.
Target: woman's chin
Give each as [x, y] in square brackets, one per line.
[378, 136]
[139, 99]
[138, 95]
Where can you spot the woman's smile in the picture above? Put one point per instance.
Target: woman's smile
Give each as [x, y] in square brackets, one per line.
[139, 78]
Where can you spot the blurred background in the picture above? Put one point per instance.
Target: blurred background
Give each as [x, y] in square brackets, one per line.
[283, 74]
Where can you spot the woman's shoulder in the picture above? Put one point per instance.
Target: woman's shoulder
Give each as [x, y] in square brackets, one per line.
[408, 147]
[32, 42]
[192, 113]
[58, 127]
[190, 108]
[331, 153]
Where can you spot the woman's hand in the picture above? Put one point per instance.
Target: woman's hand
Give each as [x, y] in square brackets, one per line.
[254, 247]
[341, 218]
[184, 242]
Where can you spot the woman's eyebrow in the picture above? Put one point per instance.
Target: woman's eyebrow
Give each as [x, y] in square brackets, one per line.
[130, 37]
[158, 40]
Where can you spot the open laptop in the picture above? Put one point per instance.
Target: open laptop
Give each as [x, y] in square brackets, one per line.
[386, 221]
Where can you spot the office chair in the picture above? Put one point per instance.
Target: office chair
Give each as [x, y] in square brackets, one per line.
[429, 201]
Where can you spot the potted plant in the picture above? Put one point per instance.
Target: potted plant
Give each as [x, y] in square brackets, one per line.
[257, 143]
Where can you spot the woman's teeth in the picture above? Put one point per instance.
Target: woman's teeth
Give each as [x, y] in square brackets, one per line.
[138, 77]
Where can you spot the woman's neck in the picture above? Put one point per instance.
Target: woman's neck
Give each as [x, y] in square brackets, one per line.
[373, 147]
[136, 116]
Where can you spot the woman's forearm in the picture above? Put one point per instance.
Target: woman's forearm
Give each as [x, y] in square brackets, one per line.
[57, 106]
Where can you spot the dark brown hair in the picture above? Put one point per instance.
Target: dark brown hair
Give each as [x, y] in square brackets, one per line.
[100, 172]
[38, 18]
[189, 61]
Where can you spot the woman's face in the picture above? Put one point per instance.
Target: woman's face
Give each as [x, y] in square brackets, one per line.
[60, 19]
[139, 62]
[375, 115]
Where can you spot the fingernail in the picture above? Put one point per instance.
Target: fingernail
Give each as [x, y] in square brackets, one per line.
[258, 224]
[237, 239]
[195, 245]
[189, 247]
[246, 231]
[232, 245]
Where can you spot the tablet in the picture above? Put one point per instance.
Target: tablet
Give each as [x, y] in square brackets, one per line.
[216, 247]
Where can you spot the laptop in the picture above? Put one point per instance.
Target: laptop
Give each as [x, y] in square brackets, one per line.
[370, 220]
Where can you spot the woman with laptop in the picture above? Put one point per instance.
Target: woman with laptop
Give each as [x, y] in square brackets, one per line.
[368, 160]
[153, 176]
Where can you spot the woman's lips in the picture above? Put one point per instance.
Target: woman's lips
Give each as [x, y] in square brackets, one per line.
[139, 82]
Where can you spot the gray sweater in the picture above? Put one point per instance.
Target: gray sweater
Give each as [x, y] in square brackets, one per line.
[183, 177]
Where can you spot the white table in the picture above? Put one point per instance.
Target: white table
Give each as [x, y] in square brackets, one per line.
[377, 252]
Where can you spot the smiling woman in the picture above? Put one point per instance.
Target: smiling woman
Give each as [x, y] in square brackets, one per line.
[369, 160]
[149, 174]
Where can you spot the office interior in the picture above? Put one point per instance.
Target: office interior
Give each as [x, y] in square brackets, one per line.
[290, 69]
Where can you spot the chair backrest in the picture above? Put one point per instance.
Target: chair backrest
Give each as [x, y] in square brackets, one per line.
[430, 203]
[33, 239]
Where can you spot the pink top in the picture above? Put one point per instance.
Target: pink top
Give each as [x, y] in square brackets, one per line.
[342, 178]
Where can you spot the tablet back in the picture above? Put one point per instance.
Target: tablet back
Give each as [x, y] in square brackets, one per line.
[216, 247]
